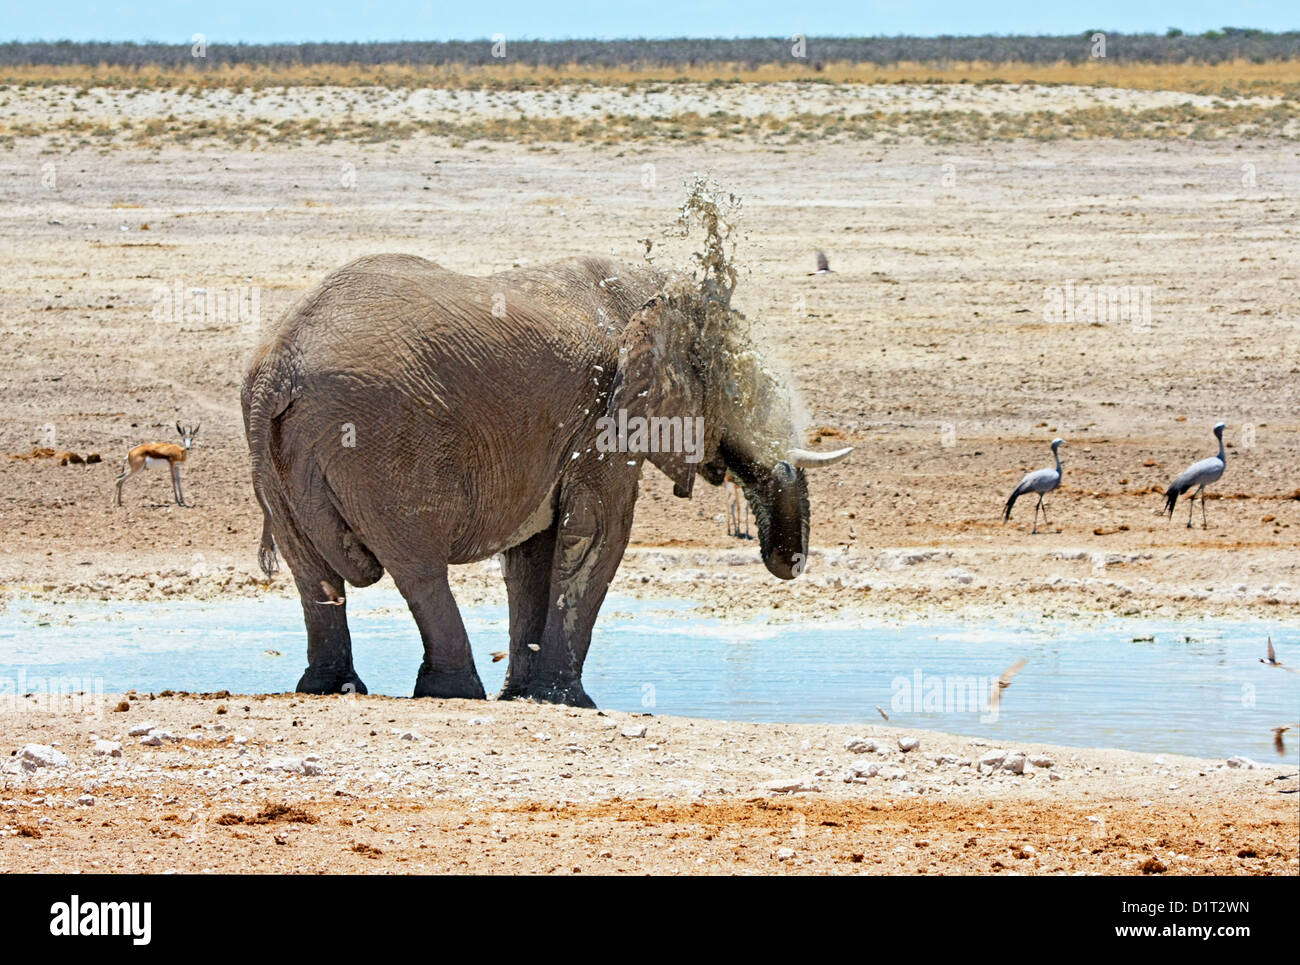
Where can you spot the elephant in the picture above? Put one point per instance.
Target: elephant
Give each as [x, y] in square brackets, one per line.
[404, 418]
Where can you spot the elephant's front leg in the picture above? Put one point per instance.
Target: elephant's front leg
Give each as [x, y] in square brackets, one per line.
[588, 540]
[448, 667]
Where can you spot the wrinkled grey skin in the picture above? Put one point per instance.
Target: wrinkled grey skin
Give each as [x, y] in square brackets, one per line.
[466, 428]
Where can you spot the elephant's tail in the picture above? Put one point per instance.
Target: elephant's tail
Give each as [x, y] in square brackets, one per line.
[268, 390]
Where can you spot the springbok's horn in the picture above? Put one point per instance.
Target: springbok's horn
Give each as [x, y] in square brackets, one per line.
[807, 459]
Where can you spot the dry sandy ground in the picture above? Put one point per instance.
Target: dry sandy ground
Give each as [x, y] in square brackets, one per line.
[108, 105]
[927, 348]
[373, 784]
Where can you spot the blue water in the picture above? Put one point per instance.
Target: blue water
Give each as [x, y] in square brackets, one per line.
[1197, 689]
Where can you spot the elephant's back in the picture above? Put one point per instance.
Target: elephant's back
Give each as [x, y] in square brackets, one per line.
[404, 317]
[591, 290]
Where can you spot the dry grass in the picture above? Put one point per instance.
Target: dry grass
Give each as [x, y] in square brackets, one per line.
[1228, 78]
[939, 127]
[271, 814]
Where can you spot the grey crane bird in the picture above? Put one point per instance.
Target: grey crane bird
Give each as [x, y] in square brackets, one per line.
[1197, 476]
[1042, 481]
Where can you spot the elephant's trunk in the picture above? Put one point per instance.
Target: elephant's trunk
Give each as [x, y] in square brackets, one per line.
[780, 505]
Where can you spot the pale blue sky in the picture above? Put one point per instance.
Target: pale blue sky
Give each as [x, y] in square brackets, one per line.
[265, 21]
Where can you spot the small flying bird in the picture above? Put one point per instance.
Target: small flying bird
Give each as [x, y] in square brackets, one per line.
[1042, 481]
[881, 711]
[1003, 682]
[1277, 740]
[334, 598]
[1197, 476]
[823, 264]
[1272, 660]
[499, 655]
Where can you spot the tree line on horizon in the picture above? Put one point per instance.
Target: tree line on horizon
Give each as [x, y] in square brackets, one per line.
[1214, 46]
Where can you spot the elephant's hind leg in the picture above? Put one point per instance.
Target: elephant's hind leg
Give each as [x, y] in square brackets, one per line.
[448, 668]
[527, 569]
[329, 643]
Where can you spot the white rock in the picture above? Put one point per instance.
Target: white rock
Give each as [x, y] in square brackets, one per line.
[859, 745]
[633, 730]
[784, 854]
[480, 721]
[312, 768]
[788, 786]
[86, 799]
[103, 748]
[993, 759]
[906, 744]
[290, 765]
[1242, 763]
[860, 772]
[947, 759]
[894, 774]
[1038, 760]
[139, 730]
[1014, 764]
[410, 735]
[33, 756]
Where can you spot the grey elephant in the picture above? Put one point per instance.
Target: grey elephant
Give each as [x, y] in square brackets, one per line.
[403, 418]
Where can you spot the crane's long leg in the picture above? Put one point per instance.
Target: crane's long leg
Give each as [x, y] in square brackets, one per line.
[1037, 505]
[1044, 505]
[1204, 523]
[1191, 506]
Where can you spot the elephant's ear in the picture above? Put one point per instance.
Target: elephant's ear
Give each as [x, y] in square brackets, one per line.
[655, 380]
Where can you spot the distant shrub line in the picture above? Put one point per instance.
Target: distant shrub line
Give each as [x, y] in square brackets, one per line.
[1215, 46]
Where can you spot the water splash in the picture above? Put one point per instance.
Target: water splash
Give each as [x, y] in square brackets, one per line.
[748, 395]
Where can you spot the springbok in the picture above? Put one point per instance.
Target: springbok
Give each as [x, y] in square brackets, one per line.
[155, 454]
[735, 500]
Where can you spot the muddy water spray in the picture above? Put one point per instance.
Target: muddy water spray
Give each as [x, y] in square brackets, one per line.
[740, 382]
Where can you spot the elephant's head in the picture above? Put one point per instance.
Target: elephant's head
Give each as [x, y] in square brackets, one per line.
[686, 357]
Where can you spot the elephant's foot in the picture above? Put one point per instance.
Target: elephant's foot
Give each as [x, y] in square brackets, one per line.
[464, 684]
[331, 680]
[568, 692]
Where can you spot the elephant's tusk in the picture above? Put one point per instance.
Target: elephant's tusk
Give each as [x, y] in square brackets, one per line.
[807, 459]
